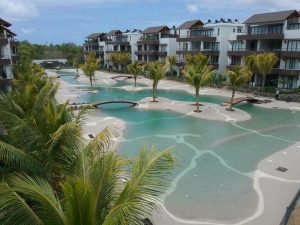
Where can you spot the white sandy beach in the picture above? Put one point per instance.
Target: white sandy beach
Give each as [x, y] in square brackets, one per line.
[275, 189]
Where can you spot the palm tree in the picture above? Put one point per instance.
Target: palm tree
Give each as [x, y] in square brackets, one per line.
[265, 63]
[76, 64]
[172, 61]
[106, 190]
[90, 66]
[250, 63]
[237, 77]
[135, 69]
[157, 71]
[198, 73]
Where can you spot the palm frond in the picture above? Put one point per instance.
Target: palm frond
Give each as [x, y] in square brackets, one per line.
[14, 210]
[150, 176]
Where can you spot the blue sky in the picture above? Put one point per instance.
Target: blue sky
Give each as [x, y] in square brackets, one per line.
[58, 21]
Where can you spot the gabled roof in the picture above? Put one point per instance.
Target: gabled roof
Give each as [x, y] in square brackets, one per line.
[152, 30]
[113, 32]
[189, 24]
[4, 23]
[95, 35]
[272, 17]
[9, 32]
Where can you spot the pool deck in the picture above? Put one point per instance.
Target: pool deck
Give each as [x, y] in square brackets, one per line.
[275, 189]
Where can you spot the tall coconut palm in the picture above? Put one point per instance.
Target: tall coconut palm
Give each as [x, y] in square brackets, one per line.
[198, 73]
[250, 63]
[237, 77]
[76, 64]
[265, 63]
[157, 71]
[90, 66]
[172, 59]
[106, 190]
[135, 69]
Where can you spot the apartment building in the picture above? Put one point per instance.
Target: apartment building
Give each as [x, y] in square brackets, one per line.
[277, 32]
[115, 41]
[156, 43]
[119, 42]
[8, 55]
[210, 39]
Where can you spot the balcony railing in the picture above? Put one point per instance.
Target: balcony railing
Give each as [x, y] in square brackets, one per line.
[198, 49]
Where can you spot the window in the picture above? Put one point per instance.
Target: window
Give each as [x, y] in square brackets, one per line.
[233, 30]
[218, 31]
[271, 29]
[205, 32]
[236, 60]
[290, 64]
[293, 26]
[293, 45]
[214, 59]
[239, 30]
[214, 46]
[237, 45]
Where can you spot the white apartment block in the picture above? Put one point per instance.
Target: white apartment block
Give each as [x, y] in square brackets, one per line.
[210, 39]
[116, 41]
[155, 44]
[8, 55]
[277, 32]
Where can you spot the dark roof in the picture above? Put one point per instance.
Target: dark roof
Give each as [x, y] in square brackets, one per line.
[188, 24]
[8, 30]
[151, 30]
[95, 35]
[4, 23]
[113, 32]
[271, 17]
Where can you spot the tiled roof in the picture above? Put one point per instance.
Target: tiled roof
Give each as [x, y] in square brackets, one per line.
[271, 17]
[188, 24]
[151, 30]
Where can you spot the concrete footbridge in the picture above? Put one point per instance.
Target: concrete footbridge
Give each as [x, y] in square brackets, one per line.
[242, 99]
[133, 103]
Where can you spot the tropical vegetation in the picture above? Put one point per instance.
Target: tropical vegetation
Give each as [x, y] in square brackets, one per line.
[237, 77]
[135, 69]
[198, 73]
[50, 176]
[156, 71]
[120, 59]
[90, 66]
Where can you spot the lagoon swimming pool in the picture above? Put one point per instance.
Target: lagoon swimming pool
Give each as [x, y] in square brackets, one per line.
[213, 182]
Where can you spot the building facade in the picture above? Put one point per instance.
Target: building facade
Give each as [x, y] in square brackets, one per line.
[276, 32]
[155, 44]
[210, 39]
[8, 55]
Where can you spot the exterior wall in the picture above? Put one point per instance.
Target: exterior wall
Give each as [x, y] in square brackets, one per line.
[6, 74]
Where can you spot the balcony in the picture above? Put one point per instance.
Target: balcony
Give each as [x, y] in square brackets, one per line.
[193, 51]
[118, 51]
[152, 52]
[4, 60]
[290, 53]
[266, 36]
[245, 52]
[91, 43]
[196, 38]
[3, 41]
[5, 81]
[290, 71]
[14, 43]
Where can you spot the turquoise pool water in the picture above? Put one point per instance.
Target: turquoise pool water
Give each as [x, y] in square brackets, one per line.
[213, 181]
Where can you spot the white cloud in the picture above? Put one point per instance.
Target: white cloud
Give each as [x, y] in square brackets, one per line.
[192, 8]
[16, 10]
[27, 30]
[271, 5]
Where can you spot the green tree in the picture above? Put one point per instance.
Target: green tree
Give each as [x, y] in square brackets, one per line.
[198, 73]
[157, 71]
[76, 64]
[172, 62]
[120, 59]
[265, 63]
[90, 66]
[135, 69]
[237, 77]
[250, 63]
[106, 190]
